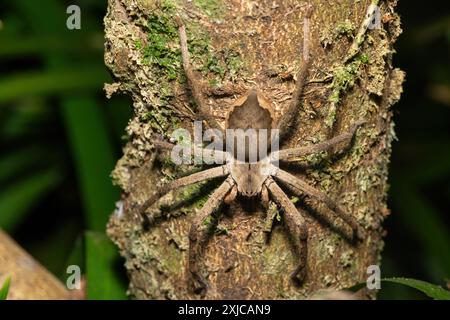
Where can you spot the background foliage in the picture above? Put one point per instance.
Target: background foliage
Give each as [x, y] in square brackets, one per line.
[60, 138]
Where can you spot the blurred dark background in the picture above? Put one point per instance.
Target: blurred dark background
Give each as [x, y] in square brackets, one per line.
[60, 138]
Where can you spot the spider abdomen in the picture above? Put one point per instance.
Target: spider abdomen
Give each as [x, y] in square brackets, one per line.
[249, 128]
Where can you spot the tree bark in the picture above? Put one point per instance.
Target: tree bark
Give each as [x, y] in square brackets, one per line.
[236, 45]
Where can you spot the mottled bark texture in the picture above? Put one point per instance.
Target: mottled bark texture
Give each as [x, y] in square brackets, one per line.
[236, 45]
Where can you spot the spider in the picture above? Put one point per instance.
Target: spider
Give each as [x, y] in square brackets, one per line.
[258, 179]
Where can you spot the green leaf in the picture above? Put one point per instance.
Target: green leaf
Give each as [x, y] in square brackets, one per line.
[13, 163]
[52, 81]
[83, 117]
[43, 44]
[94, 158]
[16, 199]
[419, 214]
[103, 266]
[5, 288]
[431, 290]
[77, 254]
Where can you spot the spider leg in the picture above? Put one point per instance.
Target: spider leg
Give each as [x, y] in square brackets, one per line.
[194, 85]
[299, 185]
[287, 120]
[296, 226]
[265, 200]
[161, 144]
[231, 196]
[199, 232]
[182, 182]
[208, 155]
[294, 153]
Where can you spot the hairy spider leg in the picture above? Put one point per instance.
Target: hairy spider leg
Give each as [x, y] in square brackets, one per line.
[199, 234]
[301, 186]
[182, 182]
[294, 153]
[296, 227]
[287, 120]
[194, 85]
[208, 155]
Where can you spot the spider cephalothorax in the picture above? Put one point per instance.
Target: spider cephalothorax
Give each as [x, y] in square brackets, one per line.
[257, 178]
[253, 112]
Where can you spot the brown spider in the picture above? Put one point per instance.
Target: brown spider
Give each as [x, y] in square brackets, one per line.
[256, 179]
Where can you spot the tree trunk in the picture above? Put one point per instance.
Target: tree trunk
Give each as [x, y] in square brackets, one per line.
[236, 45]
